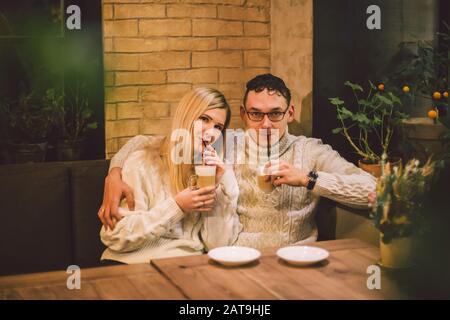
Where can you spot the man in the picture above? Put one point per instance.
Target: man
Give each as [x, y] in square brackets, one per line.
[302, 171]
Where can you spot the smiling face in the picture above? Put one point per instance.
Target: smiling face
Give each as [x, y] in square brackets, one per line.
[267, 101]
[209, 127]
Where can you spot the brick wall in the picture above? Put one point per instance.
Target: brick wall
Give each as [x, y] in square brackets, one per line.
[292, 56]
[155, 51]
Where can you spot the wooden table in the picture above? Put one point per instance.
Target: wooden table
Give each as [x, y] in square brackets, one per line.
[342, 276]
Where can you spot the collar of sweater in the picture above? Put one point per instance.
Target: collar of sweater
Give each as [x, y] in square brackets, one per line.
[255, 151]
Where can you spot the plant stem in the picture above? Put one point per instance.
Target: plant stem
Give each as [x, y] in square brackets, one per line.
[347, 136]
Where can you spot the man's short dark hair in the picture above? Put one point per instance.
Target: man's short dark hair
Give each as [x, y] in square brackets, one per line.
[271, 83]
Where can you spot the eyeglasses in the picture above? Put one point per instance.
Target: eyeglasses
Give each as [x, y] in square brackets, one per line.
[274, 116]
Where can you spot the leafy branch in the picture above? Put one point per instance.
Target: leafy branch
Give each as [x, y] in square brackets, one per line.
[377, 114]
[72, 113]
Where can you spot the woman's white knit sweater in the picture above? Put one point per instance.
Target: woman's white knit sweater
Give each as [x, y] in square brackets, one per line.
[286, 216]
[158, 228]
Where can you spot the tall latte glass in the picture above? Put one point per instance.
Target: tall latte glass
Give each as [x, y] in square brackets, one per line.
[206, 176]
[263, 179]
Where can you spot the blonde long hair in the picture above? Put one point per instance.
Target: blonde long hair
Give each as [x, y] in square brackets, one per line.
[189, 109]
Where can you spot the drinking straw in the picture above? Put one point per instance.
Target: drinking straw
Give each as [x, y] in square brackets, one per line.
[203, 150]
[268, 145]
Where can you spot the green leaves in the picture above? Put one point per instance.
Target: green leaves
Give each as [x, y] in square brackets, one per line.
[394, 98]
[355, 87]
[345, 113]
[86, 113]
[422, 68]
[375, 116]
[372, 85]
[365, 103]
[384, 100]
[399, 117]
[337, 130]
[361, 118]
[336, 101]
[92, 125]
[377, 120]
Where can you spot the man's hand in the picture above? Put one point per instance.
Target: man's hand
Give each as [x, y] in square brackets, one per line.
[115, 190]
[282, 172]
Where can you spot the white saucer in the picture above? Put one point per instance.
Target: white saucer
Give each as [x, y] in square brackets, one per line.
[302, 255]
[233, 255]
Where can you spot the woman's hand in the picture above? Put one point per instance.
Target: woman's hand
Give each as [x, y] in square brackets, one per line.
[200, 200]
[282, 172]
[212, 159]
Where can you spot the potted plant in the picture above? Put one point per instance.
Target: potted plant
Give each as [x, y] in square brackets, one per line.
[374, 118]
[73, 120]
[422, 135]
[421, 69]
[29, 125]
[399, 209]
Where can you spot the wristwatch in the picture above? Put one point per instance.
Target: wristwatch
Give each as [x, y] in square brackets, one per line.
[312, 179]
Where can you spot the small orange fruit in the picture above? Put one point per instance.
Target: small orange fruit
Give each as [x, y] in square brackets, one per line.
[437, 95]
[405, 89]
[381, 87]
[432, 114]
[445, 94]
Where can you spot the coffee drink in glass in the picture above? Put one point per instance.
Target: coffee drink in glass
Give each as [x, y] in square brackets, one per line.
[263, 179]
[206, 176]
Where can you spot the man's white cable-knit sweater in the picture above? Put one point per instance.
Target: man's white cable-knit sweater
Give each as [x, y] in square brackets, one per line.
[158, 228]
[286, 216]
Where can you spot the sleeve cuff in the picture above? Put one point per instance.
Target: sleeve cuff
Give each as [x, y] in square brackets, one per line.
[115, 163]
[228, 184]
[172, 211]
[353, 195]
[324, 183]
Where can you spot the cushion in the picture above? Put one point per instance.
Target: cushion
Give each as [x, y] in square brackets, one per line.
[35, 218]
[326, 219]
[87, 181]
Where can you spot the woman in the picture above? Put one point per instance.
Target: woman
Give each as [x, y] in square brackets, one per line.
[170, 218]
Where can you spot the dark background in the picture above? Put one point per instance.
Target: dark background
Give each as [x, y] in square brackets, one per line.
[38, 51]
[47, 53]
[344, 49]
